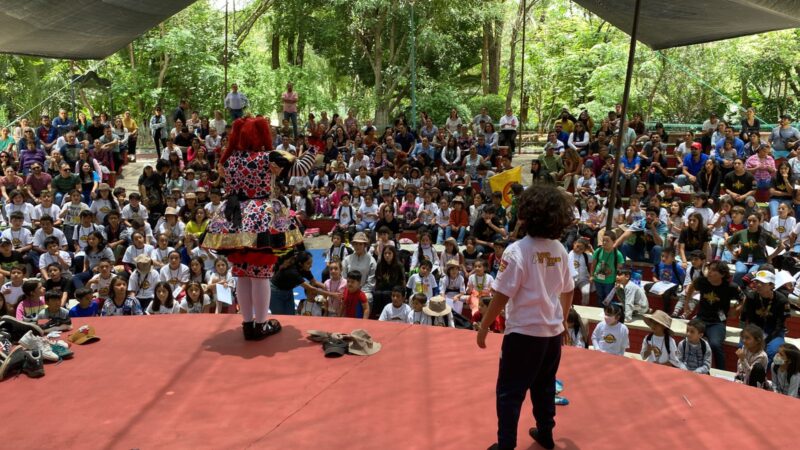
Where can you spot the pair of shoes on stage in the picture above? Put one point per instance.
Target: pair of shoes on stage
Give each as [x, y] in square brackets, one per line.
[544, 439]
[258, 331]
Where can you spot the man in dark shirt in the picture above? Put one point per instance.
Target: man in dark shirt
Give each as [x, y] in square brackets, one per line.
[716, 293]
[739, 183]
[96, 129]
[184, 139]
[767, 308]
[404, 139]
[487, 229]
[180, 112]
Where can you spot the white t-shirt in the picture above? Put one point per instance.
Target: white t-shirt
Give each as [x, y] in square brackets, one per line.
[533, 274]
[81, 234]
[419, 318]
[101, 207]
[101, 285]
[132, 252]
[659, 353]
[25, 208]
[39, 211]
[364, 182]
[578, 267]
[385, 184]
[73, 212]
[392, 314]
[481, 284]
[366, 211]
[12, 293]
[781, 228]
[175, 277]
[129, 213]
[610, 339]
[419, 285]
[345, 215]
[18, 238]
[40, 236]
[143, 286]
[197, 308]
[176, 308]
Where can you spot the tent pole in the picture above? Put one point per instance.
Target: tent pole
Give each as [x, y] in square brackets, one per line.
[72, 88]
[521, 78]
[612, 197]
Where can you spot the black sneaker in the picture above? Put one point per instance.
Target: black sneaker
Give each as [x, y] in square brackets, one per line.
[11, 362]
[545, 439]
[17, 328]
[34, 364]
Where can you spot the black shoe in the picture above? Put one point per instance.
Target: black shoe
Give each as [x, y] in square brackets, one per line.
[11, 362]
[17, 328]
[545, 439]
[248, 330]
[34, 364]
[266, 329]
[495, 446]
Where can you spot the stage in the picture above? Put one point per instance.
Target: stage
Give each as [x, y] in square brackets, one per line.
[193, 382]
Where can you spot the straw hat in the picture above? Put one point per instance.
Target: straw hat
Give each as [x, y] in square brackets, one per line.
[437, 307]
[659, 317]
[458, 199]
[143, 259]
[171, 211]
[84, 335]
[360, 237]
[104, 187]
[452, 263]
[451, 240]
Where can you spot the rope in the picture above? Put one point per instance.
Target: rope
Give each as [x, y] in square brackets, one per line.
[19, 117]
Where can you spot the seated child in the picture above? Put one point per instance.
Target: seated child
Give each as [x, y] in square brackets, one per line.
[629, 294]
[345, 217]
[786, 371]
[57, 317]
[86, 306]
[163, 301]
[578, 334]
[56, 282]
[311, 306]
[668, 270]
[354, 301]
[423, 282]
[195, 301]
[696, 260]
[611, 335]
[398, 310]
[751, 368]
[659, 346]
[441, 315]
[580, 259]
[694, 352]
[451, 284]
[499, 324]
[12, 289]
[417, 316]
[31, 301]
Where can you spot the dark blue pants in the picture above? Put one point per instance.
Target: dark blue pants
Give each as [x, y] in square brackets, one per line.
[527, 363]
[281, 302]
[715, 334]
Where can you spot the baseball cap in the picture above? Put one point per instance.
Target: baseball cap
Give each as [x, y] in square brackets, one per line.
[84, 335]
[697, 145]
[334, 347]
[4, 241]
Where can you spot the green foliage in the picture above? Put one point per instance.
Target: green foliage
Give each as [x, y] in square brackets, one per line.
[357, 55]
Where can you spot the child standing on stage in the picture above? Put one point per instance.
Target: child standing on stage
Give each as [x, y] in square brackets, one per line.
[535, 286]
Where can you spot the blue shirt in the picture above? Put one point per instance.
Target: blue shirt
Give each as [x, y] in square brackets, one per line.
[484, 150]
[738, 144]
[564, 137]
[419, 149]
[673, 273]
[91, 311]
[694, 167]
[630, 164]
[62, 125]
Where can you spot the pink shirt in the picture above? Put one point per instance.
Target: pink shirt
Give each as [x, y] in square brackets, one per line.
[764, 168]
[289, 105]
[533, 274]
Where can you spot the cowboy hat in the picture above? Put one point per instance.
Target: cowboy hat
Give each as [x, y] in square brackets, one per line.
[171, 211]
[361, 343]
[659, 317]
[452, 263]
[437, 307]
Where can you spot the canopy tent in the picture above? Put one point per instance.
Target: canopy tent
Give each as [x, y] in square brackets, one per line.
[674, 23]
[79, 29]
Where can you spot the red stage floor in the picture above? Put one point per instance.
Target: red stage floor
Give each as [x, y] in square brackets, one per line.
[192, 382]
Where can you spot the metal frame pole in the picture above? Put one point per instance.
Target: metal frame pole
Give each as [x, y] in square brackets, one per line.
[612, 197]
[413, 50]
[225, 57]
[522, 77]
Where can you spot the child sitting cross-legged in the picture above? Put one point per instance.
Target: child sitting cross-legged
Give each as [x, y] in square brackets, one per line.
[398, 310]
[659, 346]
[751, 369]
[694, 352]
[611, 335]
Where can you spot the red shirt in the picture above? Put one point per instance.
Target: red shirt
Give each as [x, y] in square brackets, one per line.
[498, 326]
[350, 303]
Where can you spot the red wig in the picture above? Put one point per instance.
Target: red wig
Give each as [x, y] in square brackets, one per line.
[248, 134]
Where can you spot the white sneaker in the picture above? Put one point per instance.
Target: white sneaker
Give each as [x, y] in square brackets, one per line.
[32, 342]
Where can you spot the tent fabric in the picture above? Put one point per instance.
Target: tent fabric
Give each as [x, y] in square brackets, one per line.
[674, 23]
[79, 29]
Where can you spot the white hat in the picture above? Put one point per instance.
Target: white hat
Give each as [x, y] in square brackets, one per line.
[783, 277]
[765, 276]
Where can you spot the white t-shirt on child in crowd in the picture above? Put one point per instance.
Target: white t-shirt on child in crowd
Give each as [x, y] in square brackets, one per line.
[392, 314]
[611, 338]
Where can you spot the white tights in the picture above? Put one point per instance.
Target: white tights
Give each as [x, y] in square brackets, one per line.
[253, 295]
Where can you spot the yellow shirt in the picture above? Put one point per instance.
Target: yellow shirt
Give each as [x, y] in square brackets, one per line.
[130, 124]
[193, 228]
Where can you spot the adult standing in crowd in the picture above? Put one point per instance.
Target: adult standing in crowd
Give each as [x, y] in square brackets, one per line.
[508, 131]
[133, 134]
[158, 126]
[362, 261]
[236, 102]
[289, 99]
[750, 124]
[535, 287]
[180, 112]
[62, 123]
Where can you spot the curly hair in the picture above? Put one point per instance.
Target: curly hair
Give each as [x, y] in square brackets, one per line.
[545, 211]
[248, 134]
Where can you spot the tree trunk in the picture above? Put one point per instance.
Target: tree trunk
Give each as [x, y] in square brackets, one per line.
[276, 50]
[301, 46]
[495, 52]
[524, 108]
[164, 64]
[290, 51]
[512, 78]
[487, 35]
[745, 93]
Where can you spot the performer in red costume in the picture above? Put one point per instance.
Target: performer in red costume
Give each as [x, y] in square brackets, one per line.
[255, 227]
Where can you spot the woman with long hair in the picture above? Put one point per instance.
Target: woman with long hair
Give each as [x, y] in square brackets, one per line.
[388, 273]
